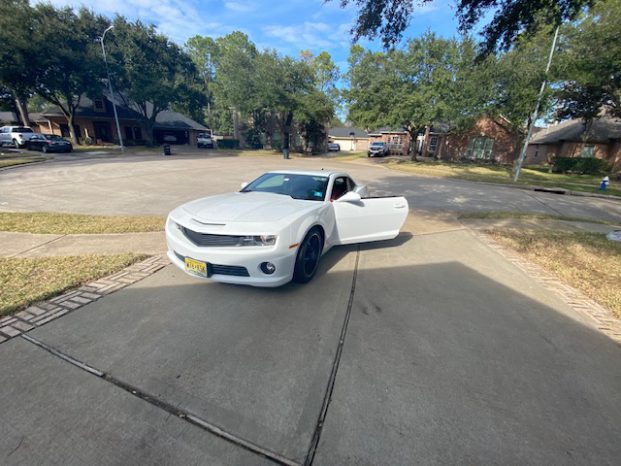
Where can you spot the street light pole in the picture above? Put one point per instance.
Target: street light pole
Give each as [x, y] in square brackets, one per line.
[116, 116]
[533, 117]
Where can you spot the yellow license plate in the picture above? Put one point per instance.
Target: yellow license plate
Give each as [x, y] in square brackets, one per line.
[196, 267]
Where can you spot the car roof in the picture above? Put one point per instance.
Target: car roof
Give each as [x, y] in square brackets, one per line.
[310, 172]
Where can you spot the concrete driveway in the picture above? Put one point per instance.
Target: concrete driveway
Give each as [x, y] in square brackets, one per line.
[430, 348]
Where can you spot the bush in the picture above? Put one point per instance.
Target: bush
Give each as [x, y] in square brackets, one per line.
[564, 164]
[228, 144]
[592, 166]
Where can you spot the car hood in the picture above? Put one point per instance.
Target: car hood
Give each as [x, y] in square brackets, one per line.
[246, 207]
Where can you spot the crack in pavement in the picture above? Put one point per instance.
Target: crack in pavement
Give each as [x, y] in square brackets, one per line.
[37, 246]
[166, 406]
[310, 456]
[208, 426]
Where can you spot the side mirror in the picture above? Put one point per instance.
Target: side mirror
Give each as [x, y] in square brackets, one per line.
[244, 184]
[362, 190]
[351, 196]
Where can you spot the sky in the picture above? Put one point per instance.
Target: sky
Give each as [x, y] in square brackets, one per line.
[286, 26]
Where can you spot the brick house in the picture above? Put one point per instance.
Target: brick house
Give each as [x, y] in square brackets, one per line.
[398, 140]
[94, 120]
[492, 139]
[571, 138]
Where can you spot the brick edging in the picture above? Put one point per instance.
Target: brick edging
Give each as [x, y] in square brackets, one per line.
[45, 311]
[576, 300]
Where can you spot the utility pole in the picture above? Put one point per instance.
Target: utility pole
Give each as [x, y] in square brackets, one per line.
[535, 113]
[116, 116]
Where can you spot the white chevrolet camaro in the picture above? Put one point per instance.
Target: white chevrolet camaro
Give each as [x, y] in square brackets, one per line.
[277, 227]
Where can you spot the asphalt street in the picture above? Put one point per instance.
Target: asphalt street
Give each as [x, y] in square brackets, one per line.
[156, 184]
[428, 349]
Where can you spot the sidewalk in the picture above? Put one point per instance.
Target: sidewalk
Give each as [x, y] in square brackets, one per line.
[38, 245]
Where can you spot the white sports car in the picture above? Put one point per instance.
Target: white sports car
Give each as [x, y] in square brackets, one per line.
[277, 227]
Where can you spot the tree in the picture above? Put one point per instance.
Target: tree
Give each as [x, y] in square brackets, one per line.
[205, 54]
[283, 84]
[516, 77]
[431, 81]
[153, 72]
[591, 65]
[390, 18]
[69, 63]
[18, 54]
[314, 112]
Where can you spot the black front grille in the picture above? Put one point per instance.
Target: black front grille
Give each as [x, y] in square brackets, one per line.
[205, 239]
[235, 270]
[216, 269]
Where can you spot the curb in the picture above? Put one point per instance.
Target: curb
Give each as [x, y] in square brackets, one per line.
[24, 165]
[573, 298]
[46, 311]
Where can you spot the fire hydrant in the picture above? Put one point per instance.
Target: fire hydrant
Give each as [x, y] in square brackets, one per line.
[604, 184]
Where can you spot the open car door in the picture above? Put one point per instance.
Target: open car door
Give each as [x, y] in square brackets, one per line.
[360, 220]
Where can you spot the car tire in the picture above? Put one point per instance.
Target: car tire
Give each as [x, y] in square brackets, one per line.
[307, 259]
[15, 143]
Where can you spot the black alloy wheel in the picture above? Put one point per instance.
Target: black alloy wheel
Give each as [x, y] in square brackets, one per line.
[307, 260]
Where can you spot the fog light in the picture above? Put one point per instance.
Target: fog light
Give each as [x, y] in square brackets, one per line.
[268, 268]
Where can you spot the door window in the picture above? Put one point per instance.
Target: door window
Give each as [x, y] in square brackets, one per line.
[339, 188]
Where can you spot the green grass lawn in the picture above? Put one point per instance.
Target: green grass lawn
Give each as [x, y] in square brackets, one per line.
[25, 281]
[538, 176]
[587, 261]
[64, 224]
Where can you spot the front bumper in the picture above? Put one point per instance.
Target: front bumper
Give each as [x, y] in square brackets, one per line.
[227, 260]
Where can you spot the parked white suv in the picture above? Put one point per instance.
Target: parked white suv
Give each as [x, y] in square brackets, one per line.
[205, 140]
[15, 135]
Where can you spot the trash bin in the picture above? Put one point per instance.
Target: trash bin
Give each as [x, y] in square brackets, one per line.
[167, 149]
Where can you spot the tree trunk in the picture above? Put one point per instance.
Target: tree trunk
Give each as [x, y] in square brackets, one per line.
[285, 136]
[413, 132]
[21, 104]
[70, 119]
[149, 123]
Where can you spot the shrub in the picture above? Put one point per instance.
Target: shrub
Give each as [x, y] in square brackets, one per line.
[591, 166]
[228, 144]
[564, 164]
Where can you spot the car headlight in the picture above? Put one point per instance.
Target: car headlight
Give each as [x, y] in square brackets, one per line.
[262, 240]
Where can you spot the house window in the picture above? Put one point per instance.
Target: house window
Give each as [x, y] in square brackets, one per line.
[587, 151]
[99, 105]
[129, 134]
[433, 143]
[480, 148]
[396, 140]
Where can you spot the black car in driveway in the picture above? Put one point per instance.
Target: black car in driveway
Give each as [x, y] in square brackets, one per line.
[49, 143]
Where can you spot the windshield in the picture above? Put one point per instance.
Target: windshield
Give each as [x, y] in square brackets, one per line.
[305, 187]
[377, 144]
[54, 137]
[22, 130]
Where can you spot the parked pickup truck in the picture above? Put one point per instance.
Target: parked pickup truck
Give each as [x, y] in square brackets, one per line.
[16, 136]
